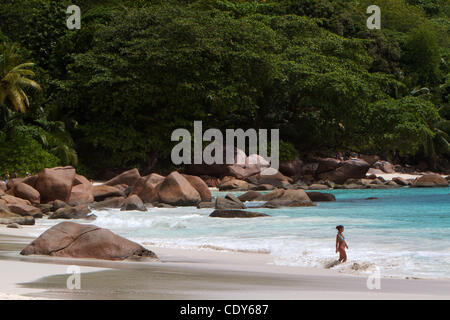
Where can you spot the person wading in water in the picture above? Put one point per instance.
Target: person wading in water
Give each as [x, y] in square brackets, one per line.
[341, 245]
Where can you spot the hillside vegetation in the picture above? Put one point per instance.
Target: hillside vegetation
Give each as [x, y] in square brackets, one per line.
[112, 92]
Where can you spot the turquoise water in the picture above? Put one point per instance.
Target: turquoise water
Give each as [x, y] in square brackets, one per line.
[405, 232]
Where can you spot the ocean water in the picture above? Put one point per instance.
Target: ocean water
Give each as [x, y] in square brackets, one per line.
[405, 232]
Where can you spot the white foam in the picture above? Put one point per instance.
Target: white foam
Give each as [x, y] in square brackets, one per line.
[291, 239]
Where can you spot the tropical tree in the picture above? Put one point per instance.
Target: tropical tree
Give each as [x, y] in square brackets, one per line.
[14, 78]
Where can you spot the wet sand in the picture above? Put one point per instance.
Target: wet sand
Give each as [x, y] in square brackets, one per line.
[190, 274]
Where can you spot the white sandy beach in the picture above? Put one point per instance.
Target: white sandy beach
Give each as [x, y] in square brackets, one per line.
[190, 274]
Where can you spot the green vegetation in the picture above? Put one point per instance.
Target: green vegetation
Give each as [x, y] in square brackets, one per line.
[116, 89]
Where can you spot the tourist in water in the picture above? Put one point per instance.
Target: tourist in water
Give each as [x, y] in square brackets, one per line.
[341, 245]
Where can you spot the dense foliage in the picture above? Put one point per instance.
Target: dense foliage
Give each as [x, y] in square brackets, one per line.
[137, 70]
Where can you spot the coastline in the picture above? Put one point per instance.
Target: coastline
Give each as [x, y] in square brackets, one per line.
[191, 274]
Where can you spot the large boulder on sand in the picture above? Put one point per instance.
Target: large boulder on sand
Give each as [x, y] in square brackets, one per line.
[147, 188]
[82, 191]
[73, 240]
[129, 178]
[3, 186]
[55, 183]
[430, 180]
[27, 192]
[176, 190]
[200, 186]
[102, 192]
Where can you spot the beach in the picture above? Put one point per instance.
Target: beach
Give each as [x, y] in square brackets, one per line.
[190, 274]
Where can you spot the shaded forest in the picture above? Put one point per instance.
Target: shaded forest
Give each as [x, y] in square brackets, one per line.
[110, 94]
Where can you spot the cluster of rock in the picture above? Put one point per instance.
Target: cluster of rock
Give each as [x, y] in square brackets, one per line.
[61, 193]
[322, 174]
[231, 206]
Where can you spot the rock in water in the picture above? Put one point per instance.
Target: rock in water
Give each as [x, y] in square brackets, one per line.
[78, 212]
[203, 205]
[277, 203]
[133, 203]
[176, 190]
[229, 202]
[321, 196]
[236, 214]
[430, 180]
[55, 183]
[296, 196]
[249, 196]
[73, 240]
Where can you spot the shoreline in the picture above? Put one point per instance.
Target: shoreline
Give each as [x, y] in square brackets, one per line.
[191, 274]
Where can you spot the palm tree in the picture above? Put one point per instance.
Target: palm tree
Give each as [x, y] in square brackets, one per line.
[14, 78]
